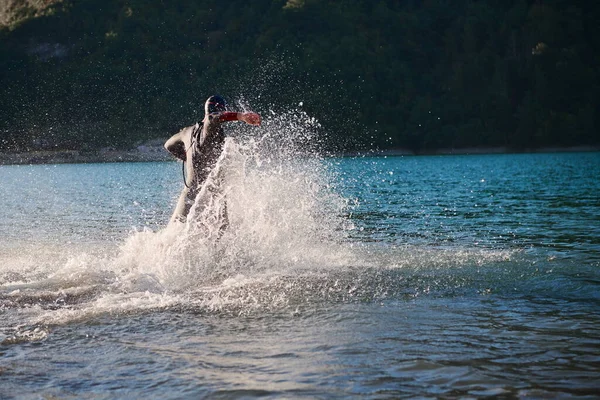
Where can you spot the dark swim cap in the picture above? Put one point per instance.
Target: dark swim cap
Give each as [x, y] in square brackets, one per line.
[215, 104]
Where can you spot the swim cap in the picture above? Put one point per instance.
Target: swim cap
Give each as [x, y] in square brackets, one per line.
[215, 104]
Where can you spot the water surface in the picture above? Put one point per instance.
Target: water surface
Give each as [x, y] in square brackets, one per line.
[398, 277]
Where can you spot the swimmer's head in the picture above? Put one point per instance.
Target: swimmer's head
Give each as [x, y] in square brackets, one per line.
[215, 104]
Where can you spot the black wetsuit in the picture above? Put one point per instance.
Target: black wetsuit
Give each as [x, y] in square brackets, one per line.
[199, 146]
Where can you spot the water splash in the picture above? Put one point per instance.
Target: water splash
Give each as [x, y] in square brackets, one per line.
[283, 214]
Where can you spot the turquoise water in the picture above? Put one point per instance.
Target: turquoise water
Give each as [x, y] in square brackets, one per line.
[398, 277]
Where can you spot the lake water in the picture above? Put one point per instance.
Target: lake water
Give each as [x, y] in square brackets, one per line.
[400, 277]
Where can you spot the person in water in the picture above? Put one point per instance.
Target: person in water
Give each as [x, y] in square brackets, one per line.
[199, 147]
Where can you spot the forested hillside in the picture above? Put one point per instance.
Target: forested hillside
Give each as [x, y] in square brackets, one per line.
[415, 74]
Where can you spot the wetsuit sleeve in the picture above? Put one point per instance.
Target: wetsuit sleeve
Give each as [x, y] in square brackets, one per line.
[176, 146]
[228, 116]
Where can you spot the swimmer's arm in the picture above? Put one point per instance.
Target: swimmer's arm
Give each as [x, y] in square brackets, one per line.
[176, 146]
[248, 117]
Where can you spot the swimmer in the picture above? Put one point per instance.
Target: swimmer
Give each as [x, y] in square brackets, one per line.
[199, 147]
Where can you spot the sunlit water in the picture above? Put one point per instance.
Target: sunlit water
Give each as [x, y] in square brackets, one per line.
[398, 277]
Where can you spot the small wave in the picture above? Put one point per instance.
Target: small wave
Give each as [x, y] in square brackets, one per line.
[23, 335]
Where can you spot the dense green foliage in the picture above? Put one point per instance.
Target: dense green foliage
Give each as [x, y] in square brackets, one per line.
[414, 74]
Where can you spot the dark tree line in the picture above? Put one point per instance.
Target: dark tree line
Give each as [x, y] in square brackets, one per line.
[416, 74]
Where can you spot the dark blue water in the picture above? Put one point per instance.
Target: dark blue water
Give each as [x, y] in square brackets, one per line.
[398, 277]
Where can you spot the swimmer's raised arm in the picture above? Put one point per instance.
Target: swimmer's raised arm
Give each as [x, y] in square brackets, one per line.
[248, 117]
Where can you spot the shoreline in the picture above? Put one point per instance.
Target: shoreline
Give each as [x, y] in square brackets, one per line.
[471, 151]
[77, 157]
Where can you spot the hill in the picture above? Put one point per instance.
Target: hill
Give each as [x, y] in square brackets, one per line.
[420, 75]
